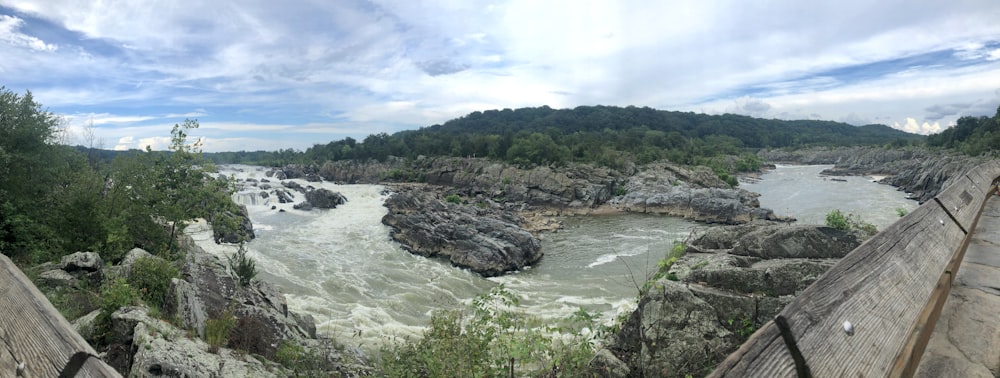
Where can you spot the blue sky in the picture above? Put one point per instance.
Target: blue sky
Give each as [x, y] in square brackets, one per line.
[289, 74]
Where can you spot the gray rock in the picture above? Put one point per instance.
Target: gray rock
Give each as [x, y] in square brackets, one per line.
[294, 186]
[163, 350]
[207, 290]
[57, 278]
[325, 199]
[84, 325]
[607, 365]
[284, 196]
[82, 261]
[801, 241]
[488, 242]
[241, 233]
[304, 206]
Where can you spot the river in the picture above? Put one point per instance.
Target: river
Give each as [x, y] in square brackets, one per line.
[341, 267]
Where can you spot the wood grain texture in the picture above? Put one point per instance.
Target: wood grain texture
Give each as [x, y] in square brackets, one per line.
[884, 288]
[880, 287]
[32, 331]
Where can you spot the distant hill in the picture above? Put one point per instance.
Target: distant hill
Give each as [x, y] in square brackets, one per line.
[605, 135]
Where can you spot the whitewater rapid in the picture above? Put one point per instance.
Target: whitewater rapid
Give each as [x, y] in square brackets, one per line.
[341, 267]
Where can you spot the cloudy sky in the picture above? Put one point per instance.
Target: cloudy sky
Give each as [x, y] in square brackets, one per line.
[290, 74]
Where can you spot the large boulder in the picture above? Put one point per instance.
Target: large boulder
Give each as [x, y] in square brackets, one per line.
[232, 226]
[487, 241]
[325, 198]
[82, 262]
[731, 281]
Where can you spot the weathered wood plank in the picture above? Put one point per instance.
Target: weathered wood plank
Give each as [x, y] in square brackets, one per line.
[762, 355]
[964, 199]
[880, 287]
[31, 330]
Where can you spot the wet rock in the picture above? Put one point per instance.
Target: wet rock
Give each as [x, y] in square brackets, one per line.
[325, 199]
[304, 206]
[488, 242]
[284, 196]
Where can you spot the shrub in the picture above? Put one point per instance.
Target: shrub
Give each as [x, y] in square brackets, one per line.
[217, 330]
[115, 294]
[901, 212]
[494, 339]
[243, 266]
[453, 198]
[151, 277]
[836, 219]
[850, 223]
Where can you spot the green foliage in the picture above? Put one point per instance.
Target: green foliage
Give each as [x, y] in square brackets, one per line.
[151, 277]
[243, 266]
[972, 136]
[838, 220]
[300, 361]
[217, 330]
[494, 339]
[850, 223]
[663, 267]
[742, 327]
[901, 212]
[115, 294]
[453, 198]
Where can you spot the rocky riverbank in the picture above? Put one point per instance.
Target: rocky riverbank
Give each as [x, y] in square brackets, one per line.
[137, 342]
[730, 281]
[920, 171]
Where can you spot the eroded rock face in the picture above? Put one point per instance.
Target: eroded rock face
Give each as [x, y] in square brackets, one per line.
[207, 291]
[487, 241]
[243, 230]
[732, 280]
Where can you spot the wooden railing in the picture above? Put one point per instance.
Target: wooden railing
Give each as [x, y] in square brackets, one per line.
[35, 340]
[872, 314]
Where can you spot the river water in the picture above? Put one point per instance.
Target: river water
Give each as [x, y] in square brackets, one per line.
[341, 267]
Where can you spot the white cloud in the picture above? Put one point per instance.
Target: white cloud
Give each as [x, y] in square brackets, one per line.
[912, 126]
[125, 143]
[384, 65]
[9, 32]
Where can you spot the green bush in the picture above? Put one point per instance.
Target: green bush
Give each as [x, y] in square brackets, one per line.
[115, 294]
[493, 340]
[836, 219]
[217, 330]
[243, 266]
[850, 223]
[901, 212]
[151, 276]
[453, 198]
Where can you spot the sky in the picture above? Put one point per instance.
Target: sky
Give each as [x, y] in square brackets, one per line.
[268, 75]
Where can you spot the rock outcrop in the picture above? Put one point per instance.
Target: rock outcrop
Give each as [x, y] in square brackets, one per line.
[695, 195]
[732, 280]
[325, 199]
[487, 241]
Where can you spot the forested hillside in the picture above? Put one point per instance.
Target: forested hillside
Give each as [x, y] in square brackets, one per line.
[971, 135]
[605, 135]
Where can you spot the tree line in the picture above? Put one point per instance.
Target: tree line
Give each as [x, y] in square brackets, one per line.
[604, 135]
[973, 136]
